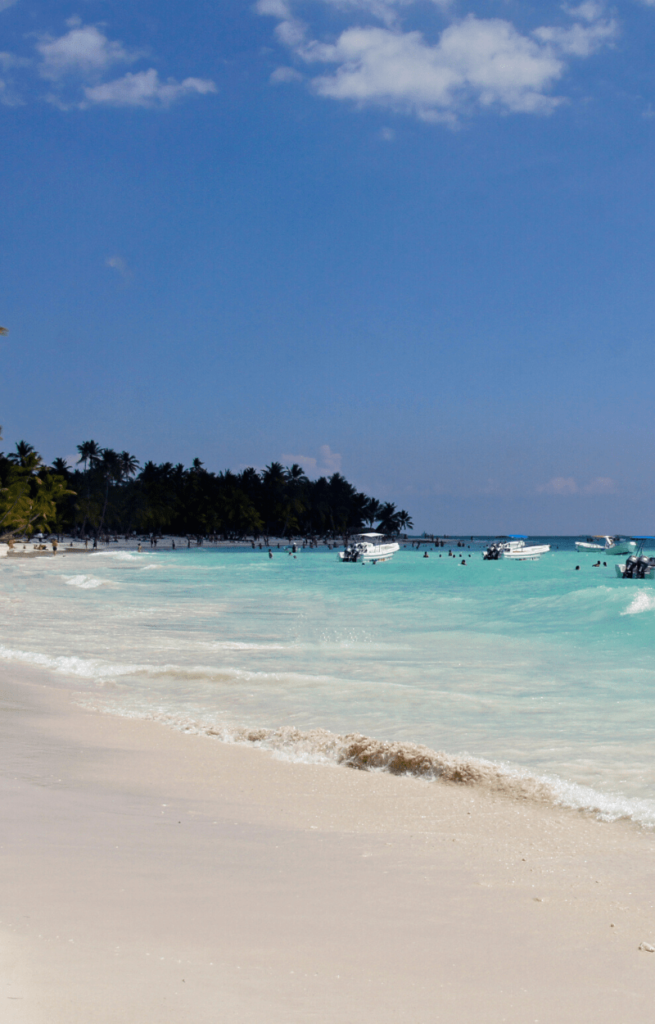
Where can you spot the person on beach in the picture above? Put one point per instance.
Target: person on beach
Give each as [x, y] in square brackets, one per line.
[426, 555]
[95, 543]
[54, 545]
[139, 548]
[270, 553]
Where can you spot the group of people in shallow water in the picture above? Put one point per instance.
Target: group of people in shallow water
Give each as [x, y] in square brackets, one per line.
[450, 555]
[596, 565]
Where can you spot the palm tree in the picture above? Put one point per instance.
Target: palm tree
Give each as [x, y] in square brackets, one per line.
[110, 467]
[60, 466]
[129, 464]
[405, 520]
[90, 453]
[23, 452]
[372, 511]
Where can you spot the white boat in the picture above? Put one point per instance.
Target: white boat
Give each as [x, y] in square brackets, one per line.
[516, 549]
[369, 547]
[638, 566]
[611, 545]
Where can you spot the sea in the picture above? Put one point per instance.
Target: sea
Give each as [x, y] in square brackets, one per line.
[507, 673]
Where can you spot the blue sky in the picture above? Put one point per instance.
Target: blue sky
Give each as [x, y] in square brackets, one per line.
[413, 241]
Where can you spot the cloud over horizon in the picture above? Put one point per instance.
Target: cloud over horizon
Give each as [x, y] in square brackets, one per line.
[566, 485]
[327, 462]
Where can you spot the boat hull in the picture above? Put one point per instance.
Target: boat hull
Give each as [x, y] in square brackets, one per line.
[622, 547]
[370, 553]
[526, 554]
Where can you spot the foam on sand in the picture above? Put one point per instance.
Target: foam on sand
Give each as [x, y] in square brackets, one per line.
[366, 753]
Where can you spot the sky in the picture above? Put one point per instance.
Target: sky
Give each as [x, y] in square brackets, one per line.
[413, 242]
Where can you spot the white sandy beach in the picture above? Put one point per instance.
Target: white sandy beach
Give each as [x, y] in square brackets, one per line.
[151, 876]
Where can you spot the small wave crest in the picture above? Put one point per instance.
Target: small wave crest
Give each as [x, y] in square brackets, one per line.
[83, 582]
[118, 556]
[641, 602]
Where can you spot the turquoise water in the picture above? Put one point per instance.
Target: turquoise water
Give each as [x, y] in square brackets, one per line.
[533, 665]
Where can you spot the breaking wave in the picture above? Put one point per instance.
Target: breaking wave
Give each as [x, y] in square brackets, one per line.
[365, 753]
[642, 602]
[83, 582]
[118, 556]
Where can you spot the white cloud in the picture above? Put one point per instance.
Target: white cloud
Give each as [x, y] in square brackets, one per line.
[145, 89]
[118, 264]
[601, 485]
[84, 50]
[4, 4]
[78, 64]
[327, 462]
[567, 485]
[275, 8]
[475, 61]
[285, 75]
[484, 60]
[559, 485]
[579, 40]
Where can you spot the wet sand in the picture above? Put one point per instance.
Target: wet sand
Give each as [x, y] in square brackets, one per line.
[153, 877]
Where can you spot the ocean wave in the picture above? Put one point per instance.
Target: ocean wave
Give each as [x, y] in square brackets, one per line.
[641, 602]
[118, 556]
[236, 645]
[83, 582]
[99, 671]
[365, 753]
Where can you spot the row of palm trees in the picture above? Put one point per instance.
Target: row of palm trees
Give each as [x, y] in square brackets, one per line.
[109, 492]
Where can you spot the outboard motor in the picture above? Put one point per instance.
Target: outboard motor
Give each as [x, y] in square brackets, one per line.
[643, 567]
[631, 568]
[492, 554]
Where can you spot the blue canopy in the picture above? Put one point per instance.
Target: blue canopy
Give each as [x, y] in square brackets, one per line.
[643, 538]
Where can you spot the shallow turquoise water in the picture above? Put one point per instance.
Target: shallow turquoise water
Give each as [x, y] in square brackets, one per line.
[532, 664]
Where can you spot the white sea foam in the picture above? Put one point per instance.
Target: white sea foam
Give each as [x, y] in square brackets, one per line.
[98, 670]
[235, 645]
[365, 753]
[83, 582]
[118, 556]
[641, 602]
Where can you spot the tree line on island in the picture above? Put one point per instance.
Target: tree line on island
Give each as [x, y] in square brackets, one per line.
[110, 493]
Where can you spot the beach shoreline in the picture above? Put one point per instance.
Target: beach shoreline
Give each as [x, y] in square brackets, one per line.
[152, 875]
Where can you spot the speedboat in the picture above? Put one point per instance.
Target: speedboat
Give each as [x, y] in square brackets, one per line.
[369, 547]
[516, 549]
[638, 566]
[611, 545]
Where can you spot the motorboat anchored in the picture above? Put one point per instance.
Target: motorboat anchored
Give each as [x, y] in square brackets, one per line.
[516, 549]
[611, 545]
[369, 547]
[638, 566]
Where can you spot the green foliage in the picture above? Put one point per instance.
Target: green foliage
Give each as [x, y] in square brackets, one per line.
[108, 491]
[31, 494]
